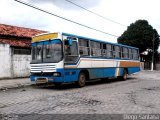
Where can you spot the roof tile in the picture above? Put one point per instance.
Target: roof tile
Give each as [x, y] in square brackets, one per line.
[18, 31]
[16, 43]
[15, 31]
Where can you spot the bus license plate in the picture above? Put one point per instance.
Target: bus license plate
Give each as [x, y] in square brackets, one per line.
[41, 80]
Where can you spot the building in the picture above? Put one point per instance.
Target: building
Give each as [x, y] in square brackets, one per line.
[15, 50]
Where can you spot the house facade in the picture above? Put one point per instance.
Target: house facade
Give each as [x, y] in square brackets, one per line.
[15, 50]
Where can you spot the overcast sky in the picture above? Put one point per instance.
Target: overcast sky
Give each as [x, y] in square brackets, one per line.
[122, 11]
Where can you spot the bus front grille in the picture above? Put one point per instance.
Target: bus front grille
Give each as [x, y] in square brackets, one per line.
[43, 68]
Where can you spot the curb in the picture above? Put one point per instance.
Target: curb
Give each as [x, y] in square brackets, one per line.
[15, 86]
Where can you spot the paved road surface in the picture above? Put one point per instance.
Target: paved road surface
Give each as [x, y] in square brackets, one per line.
[139, 94]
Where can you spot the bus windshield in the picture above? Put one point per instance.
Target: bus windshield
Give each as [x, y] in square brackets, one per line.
[47, 51]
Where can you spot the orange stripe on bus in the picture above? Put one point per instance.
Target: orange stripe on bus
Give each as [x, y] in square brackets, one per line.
[129, 64]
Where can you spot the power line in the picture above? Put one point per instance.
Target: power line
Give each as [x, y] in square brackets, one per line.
[42, 10]
[94, 13]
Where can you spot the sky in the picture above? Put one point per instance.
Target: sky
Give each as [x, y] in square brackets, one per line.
[124, 12]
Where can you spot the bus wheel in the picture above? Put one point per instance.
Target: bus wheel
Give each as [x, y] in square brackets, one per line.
[81, 80]
[125, 75]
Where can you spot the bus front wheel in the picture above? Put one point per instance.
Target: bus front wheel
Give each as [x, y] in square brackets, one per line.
[81, 80]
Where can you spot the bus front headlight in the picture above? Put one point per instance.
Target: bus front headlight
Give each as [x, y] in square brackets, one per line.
[56, 74]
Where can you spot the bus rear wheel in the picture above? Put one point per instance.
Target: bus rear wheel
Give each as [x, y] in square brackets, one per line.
[81, 80]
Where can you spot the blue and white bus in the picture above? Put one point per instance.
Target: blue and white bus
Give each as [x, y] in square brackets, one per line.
[63, 58]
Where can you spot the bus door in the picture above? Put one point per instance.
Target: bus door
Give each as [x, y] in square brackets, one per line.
[71, 56]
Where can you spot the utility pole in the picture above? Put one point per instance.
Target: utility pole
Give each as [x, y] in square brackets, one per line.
[152, 63]
[153, 42]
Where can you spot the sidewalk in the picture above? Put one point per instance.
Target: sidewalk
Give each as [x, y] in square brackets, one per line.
[14, 83]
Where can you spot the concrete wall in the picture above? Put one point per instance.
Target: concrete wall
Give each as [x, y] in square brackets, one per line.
[21, 65]
[5, 61]
[13, 65]
[142, 66]
[158, 66]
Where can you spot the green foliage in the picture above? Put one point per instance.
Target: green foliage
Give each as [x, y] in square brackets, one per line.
[140, 34]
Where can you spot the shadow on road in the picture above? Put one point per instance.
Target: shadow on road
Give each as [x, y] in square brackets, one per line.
[88, 83]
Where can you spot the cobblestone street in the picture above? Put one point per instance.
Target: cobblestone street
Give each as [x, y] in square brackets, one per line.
[139, 94]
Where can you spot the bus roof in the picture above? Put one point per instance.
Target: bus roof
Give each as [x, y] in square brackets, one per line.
[97, 40]
[46, 36]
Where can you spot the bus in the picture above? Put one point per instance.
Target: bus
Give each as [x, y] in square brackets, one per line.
[64, 58]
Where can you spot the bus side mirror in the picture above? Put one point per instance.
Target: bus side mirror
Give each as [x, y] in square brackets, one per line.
[69, 42]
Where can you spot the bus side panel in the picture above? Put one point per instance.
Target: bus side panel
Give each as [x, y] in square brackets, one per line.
[71, 75]
[109, 72]
[101, 73]
[132, 70]
[95, 73]
[59, 79]
[121, 71]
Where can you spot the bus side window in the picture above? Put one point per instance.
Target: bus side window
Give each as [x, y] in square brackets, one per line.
[135, 54]
[125, 53]
[122, 52]
[109, 51]
[71, 52]
[114, 51]
[117, 52]
[84, 47]
[104, 50]
[130, 53]
[95, 49]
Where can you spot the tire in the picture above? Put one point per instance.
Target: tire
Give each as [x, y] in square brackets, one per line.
[81, 80]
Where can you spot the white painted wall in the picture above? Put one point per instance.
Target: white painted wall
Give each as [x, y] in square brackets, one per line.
[11, 65]
[21, 65]
[5, 61]
[158, 66]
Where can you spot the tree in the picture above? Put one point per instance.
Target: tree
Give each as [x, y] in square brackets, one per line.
[140, 34]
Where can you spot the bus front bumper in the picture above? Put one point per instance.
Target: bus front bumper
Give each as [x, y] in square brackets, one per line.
[46, 79]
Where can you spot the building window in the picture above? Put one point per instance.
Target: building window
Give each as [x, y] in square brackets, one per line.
[22, 51]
